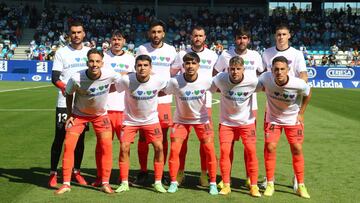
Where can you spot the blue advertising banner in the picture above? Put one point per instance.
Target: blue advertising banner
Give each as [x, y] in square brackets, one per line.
[24, 70]
[319, 77]
[334, 77]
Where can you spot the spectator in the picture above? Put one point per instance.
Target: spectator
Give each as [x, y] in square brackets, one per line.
[324, 60]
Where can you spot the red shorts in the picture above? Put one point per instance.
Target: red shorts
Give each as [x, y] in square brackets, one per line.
[294, 133]
[116, 119]
[100, 124]
[151, 133]
[165, 118]
[180, 130]
[232, 133]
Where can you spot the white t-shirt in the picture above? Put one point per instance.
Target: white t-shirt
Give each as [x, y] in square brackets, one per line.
[91, 95]
[252, 63]
[236, 99]
[283, 102]
[208, 59]
[295, 58]
[190, 98]
[162, 59]
[141, 99]
[121, 64]
[69, 61]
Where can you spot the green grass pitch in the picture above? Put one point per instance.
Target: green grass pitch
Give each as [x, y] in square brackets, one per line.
[332, 143]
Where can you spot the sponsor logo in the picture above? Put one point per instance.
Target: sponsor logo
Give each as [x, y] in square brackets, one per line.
[325, 84]
[340, 73]
[41, 67]
[355, 83]
[3, 66]
[36, 77]
[311, 72]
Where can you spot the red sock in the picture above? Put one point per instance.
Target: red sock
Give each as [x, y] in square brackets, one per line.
[203, 158]
[158, 170]
[298, 165]
[211, 160]
[270, 163]
[174, 161]
[251, 162]
[68, 157]
[143, 150]
[106, 158]
[183, 152]
[98, 158]
[225, 163]
[124, 171]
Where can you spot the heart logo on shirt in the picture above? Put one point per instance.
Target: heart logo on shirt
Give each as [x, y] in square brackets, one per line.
[252, 62]
[203, 61]
[84, 59]
[126, 66]
[77, 59]
[167, 59]
[239, 93]
[231, 93]
[246, 62]
[122, 65]
[277, 93]
[202, 91]
[148, 92]
[154, 91]
[153, 58]
[292, 96]
[196, 92]
[113, 65]
[289, 61]
[246, 93]
[92, 89]
[101, 87]
[209, 62]
[139, 92]
[106, 86]
[162, 58]
[187, 93]
[285, 95]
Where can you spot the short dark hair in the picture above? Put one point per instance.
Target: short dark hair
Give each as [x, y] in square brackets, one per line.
[241, 31]
[236, 60]
[197, 27]
[117, 33]
[95, 51]
[157, 23]
[76, 23]
[282, 26]
[191, 56]
[143, 58]
[282, 59]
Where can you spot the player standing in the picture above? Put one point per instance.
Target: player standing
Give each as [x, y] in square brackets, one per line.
[162, 56]
[252, 64]
[207, 61]
[141, 102]
[68, 60]
[237, 120]
[91, 88]
[121, 62]
[189, 90]
[287, 99]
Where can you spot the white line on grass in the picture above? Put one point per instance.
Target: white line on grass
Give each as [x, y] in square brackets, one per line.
[22, 110]
[25, 88]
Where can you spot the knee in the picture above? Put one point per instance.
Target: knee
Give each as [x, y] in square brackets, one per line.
[270, 147]
[296, 149]
[124, 148]
[158, 148]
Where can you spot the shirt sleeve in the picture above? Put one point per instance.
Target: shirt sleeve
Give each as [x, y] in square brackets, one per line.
[300, 62]
[213, 87]
[169, 89]
[221, 64]
[260, 84]
[305, 91]
[120, 84]
[58, 63]
[259, 64]
[177, 62]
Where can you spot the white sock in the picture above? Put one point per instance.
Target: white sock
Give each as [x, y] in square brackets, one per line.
[105, 183]
[157, 182]
[66, 183]
[212, 183]
[174, 182]
[125, 182]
